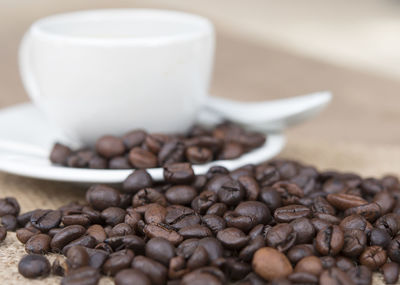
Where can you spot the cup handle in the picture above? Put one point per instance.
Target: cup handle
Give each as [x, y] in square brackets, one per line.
[28, 79]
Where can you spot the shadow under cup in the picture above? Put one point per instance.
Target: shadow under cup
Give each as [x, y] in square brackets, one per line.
[111, 71]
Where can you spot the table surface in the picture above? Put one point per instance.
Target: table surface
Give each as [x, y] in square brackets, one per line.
[359, 131]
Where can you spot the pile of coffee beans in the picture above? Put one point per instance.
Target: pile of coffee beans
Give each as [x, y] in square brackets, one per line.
[138, 149]
[279, 222]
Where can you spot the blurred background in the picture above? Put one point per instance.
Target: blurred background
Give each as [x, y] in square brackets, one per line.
[271, 49]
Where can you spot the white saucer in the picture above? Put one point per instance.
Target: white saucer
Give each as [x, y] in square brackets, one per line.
[24, 125]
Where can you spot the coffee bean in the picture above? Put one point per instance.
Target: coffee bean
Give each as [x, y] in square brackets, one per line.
[125, 277]
[291, 212]
[369, 211]
[232, 238]
[390, 223]
[159, 230]
[141, 158]
[132, 218]
[328, 262]
[153, 269]
[248, 251]
[257, 210]
[98, 162]
[309, 264]
[85, 241]
[343, 201]
[3, 233]
[97, 257]
[385, 201]
[139, 179]
[101, 197]
[113, 215]
[39, 243]
[132, 242]
[379, 237]
[9, 222]
[110, 146]
[77, 257]
[390, 272]
[360, 275]
[121, 229]
[198, 155]
[171, 152]
[212, 246]
[281, 237]
[250, 186]
[231, 150]
[60, 153]
[197, 278]
[134, 138]
[154, 142]
[214, 223]
[65, 236]
[334, 276]
[9, 206]
[33, 266]
[270, 264]
[303, 278]
[271, 198]
[217, 209]
[304, 229]
[195, 231]
[84, 275]
[321, 205]
[178, 173]
[344, 263]
[356, 222]
[119, 162]
[59, 266]
[181, 194]
[330, 240]
[24, 218]
[373, 257]
[147, 196]
[118, 261]
[298, 252]
[290, 192]
[354, 242]
[97, 232]
[160, 250]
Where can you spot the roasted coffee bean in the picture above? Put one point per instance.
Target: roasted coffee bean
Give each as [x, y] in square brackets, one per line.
[147, 196]
[132, 242]
[390, 272]
[214, 223]
[160, 250]
[139, 179]
[113, 215]
[199, 258]
[198, 278]
[9, 222]
[231, 193]
[126, 276]
[218, 209]
[59, 266]
[195, 231]
[24, 234]
[110, 146]
[390, 223]
[141, 158]
[65, 236]
[9, 206]
[379, 237]
[118, 261]
[44, 220]
[97, 232]
[134, 138]
[343, 201]
[187, 247]
[355, 222]
[385, 201]
[344, 263]
[393, 249]
[328, 262]
[179, 217]
[59, 154]
[360, 275]
[3, 233]
[232, 238]
[119, 162]
[309, 264]
[334, 276]
[85, 241]
[101, 197]
[250, 186]
[321, 205]
[121, 229]
[162, 231]
[370, 211]
[289, 213]
[235, 220]
[198, 155]
[373, 257]
[290, 193]
[281, 237]
[304, 229]
[153, 269]
[98, 162]
[154, 142]
[257, 210]
[171, 152]
[199, 182]
[77, 257]
[248, 251]
[97, 257]
[271, 198]
[354, 242]
[33, 266]
[204, 201]
[179, 173]
[180, 194]
[298, 252]
[24, 218]
[330, 219]
[271, 264]
[84, 275]
[216, 181]
[330, 240]
[39, 243]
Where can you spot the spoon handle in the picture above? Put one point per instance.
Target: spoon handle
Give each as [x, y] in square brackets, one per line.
[273, 115]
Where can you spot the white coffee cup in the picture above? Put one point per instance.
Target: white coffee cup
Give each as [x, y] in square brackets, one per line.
[110, 71]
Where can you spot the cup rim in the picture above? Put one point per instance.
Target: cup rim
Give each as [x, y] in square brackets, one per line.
[204, 26]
